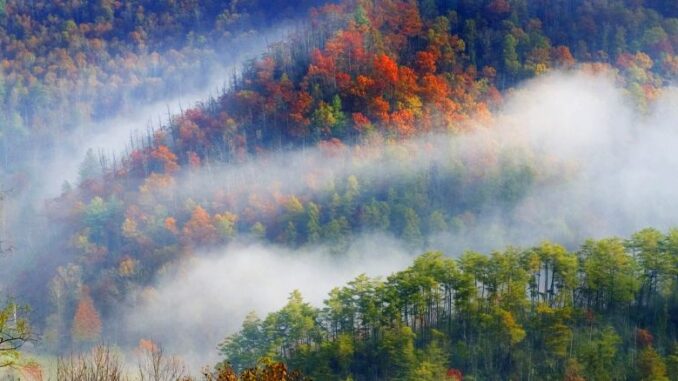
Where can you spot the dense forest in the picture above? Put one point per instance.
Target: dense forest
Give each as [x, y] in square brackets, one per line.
[370, 117]
[604, 312]
[65, 66]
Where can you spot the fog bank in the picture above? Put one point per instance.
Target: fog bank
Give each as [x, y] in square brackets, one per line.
[195, 305]
[616, 176]
[621, 164]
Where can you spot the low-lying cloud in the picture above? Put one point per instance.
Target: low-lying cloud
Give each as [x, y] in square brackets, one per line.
[194, 306]
[621, 163]
[21, 213]
[618, 175]
[113, 136]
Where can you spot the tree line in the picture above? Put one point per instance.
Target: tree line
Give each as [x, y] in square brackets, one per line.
[605, 311]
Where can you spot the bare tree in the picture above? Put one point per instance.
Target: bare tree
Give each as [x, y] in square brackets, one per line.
[101, 364]
[155, 365]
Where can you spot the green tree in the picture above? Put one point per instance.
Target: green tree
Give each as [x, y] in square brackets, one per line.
[293, 325]
[376, 215]
[554, 274]
[598, 355]
[411, 230]
[436, 222]
[609, 272]
[651, 366]
[258, 230]
[313, 228]
[398, 345]
[244, 349]
[329, 119]
[290, 235]
[15, 331]
[655, 262]
[360, 16]
[90, 167]
[512, 64]
[336, 233]
[433, 360]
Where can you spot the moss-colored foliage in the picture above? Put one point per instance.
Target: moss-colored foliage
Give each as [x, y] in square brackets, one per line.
[515, 312]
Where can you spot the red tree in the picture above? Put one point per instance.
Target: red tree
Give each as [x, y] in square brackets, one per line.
[86, 322]
[199, 228]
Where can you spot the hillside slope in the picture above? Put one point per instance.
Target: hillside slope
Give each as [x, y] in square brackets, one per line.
[360, 85]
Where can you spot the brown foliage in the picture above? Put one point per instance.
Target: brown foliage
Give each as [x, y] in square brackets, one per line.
[644, 338]
[267, 372]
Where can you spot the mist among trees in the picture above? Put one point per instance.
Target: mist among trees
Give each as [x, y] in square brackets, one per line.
[172, 171]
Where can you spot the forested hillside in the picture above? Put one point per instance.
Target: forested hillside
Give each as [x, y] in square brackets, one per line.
[603, 312]
[66, 66]
[371, 117]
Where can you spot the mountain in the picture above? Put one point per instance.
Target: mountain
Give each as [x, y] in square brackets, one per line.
[68, 66]
[371, 118]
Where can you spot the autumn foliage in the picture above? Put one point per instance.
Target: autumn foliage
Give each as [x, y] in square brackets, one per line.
[357, 84]
[86, 322]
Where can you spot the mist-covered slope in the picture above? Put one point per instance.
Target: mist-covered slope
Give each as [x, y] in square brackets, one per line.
[67, 67]
[374, 131]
